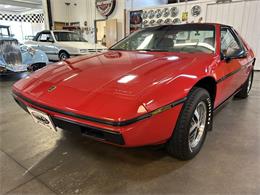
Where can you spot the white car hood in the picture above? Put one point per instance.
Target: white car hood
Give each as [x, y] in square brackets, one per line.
[81, 45]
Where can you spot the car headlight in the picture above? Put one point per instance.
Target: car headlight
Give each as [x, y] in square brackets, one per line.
[83, 50]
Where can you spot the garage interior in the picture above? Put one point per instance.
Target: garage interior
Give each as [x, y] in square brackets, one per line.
[35, 160]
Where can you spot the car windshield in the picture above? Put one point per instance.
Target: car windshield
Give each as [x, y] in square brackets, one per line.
[175, 38]
[68, 36]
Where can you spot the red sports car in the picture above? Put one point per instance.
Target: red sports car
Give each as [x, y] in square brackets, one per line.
[159, 85]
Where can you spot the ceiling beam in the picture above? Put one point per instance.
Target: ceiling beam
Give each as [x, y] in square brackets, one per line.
[32, 5]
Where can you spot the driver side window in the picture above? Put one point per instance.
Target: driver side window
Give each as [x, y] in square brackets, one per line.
[45, 37]
[229, 44]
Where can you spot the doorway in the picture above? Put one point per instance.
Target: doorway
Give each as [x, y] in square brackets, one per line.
[100, 36]
[106, 32]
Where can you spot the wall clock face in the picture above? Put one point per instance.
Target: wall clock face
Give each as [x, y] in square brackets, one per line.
[105, 7]
[145, 23]
[174, 12]
[195, 10]
[166, 12]
[152, 22]
[145, 15]
[160, 21]
[176, 21]
[168, 21]
[158, 13]
[151, 14]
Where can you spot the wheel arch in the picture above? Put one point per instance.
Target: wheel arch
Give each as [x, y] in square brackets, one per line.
[63, 50]
[209, 83]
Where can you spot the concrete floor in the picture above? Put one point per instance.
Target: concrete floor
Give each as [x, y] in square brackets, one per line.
[37, 160]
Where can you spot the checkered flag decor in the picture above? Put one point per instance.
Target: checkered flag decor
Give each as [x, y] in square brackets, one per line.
[32, 18]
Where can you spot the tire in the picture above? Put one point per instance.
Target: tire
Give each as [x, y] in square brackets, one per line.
[63, 55]
[246, 88]
[181, 145]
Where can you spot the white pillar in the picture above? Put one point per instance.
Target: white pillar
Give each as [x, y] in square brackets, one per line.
[45, 13]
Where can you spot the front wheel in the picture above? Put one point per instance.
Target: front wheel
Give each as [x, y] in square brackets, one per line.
[63, 55]
[192, 125]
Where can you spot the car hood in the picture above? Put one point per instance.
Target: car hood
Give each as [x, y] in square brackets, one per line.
[80, 45]
[108, 85]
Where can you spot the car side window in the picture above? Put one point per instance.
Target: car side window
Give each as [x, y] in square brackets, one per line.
[45, 37]
[229, 44]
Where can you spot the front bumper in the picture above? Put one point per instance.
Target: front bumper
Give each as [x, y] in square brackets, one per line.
[148, 131]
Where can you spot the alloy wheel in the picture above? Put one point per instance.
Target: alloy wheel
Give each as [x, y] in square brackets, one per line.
[198, 125]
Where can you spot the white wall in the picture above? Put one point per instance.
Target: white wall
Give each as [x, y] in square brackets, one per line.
[139, 4]
[243, 16]
[85, 10]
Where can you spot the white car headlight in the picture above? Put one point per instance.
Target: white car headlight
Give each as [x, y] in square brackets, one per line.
[83, 51]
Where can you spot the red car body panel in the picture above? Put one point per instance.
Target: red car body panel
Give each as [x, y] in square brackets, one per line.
[90, 86]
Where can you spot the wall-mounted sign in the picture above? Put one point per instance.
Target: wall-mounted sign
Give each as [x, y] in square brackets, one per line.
[184, 16]
[136, 20]
[105, 7]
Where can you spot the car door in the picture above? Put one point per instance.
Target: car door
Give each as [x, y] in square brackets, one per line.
[46, 43]
[233, 56]
[246, 61]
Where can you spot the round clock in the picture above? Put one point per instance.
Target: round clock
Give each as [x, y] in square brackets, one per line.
[145, 15]
[166, 12]
[158, 13]
[176, 21]
[195, 10]
[160, 21]
[151, 14]
[174, 12]
[168, 21]
[152, 22]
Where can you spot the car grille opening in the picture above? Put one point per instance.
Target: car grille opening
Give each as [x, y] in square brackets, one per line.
[89, 131]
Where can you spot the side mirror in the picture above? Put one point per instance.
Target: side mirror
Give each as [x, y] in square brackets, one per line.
[242, 54]
[225, 58]
[236, 55]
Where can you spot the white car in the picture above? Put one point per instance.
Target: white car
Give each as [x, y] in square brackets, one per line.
[62, 44]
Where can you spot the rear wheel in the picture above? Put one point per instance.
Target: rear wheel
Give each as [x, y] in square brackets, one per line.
[192, 125]
[63, 55]
[244, 92]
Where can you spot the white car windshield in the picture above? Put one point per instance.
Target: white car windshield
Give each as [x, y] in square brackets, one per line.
[69, 36]
[173, 38]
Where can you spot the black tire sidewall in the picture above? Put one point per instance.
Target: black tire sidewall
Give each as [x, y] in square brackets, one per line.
[206, 99]
[181, 131]
[63, 53]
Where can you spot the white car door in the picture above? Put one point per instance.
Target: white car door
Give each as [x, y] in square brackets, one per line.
[46, 43]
